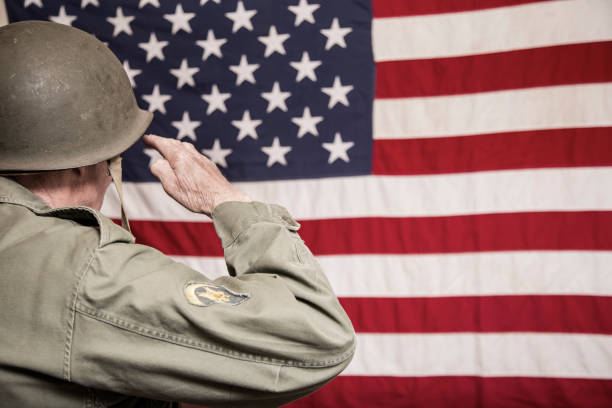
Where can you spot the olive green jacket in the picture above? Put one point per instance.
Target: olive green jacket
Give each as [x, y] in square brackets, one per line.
[89, 318]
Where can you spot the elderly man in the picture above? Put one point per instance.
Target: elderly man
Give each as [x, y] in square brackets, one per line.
[91, 319]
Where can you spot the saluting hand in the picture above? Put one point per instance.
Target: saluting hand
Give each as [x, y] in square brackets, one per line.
[189, 177]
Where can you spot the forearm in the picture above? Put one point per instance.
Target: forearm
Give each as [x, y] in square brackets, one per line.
[261, 239]
[285, 333]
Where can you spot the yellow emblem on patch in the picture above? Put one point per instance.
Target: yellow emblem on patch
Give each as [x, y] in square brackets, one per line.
[206, 294]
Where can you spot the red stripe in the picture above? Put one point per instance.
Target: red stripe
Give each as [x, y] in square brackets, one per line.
[178, 238]
[466, 233]
[531, 313]
[558, 65]
[397, 8]
[513, 150]
[588, 230]
[444, 392]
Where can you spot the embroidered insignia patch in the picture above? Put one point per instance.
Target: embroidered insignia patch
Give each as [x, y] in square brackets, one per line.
[208, 293]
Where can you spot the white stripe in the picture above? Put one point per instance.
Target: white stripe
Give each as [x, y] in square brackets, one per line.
[486, 354]
[550, 107]
[394, 196]
[212, 267]
[494, 30]
[471, 274]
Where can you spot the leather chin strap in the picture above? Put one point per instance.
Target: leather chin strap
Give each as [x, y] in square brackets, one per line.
[114, 170]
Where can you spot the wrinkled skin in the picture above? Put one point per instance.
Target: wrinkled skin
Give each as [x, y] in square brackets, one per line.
[190, 178]
[81, 186]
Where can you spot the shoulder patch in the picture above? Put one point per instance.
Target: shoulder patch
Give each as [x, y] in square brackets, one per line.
[208, 293]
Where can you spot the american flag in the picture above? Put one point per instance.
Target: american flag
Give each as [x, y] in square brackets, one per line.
[449, 161]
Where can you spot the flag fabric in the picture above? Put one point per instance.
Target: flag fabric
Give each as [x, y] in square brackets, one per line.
[450, 162]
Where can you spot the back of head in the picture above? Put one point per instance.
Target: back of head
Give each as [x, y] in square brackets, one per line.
[65, 99]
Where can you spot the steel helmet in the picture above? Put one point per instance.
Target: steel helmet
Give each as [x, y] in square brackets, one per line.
[65, 99]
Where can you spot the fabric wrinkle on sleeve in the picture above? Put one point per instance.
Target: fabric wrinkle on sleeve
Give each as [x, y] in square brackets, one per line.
[230, 219]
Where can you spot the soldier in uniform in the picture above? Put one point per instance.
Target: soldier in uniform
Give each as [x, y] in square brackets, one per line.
[89, 318]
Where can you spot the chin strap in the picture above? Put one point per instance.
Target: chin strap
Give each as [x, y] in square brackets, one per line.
[114, 170]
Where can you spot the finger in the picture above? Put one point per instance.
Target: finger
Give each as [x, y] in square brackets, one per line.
[155, 156]
[168, 148]
[151, 139]
[190, 147]
[163, 171]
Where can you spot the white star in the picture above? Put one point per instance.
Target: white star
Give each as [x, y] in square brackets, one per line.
[180, 19]
[244, 71]
[131, 73]
[307, 123]
[84, 3]
[153, 154]
[62, 17]
[203, 2]
[38, 3]
[276, 98]
[186, 127]
[211, 45]
[337, 93]
[303, 12]
[154, 48]
[154, 3]
[184, 74]
[274, 42]
[335, 34]
[217, 154]
[247, 126]
[216, 100]
[337, 149]
[305, 67]
[276, 153]
[121, 23]
[241, 17]
[156, 100]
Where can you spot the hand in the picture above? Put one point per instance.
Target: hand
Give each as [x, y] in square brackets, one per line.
[190, 178]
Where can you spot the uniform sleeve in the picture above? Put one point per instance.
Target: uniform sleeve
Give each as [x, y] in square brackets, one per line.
[271, 332]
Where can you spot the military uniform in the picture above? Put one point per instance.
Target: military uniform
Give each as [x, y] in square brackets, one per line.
[89, 317]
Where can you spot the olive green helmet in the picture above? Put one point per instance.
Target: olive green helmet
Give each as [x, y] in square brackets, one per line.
[65, 99]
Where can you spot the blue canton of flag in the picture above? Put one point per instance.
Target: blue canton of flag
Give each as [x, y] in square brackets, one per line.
[266, 89]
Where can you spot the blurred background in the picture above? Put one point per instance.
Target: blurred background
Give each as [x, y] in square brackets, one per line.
[449, 162]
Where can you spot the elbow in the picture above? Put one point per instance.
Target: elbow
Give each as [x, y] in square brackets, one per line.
[314, 354]
[330, 342]
[323, 357]
[296, 381]
[343, 345]
[341, 338]
[340, 359]
[334, 349]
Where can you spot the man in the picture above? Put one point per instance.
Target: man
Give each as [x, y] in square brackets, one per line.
[89, 318]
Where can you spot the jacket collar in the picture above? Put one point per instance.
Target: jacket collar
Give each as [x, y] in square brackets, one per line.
[14, 193]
